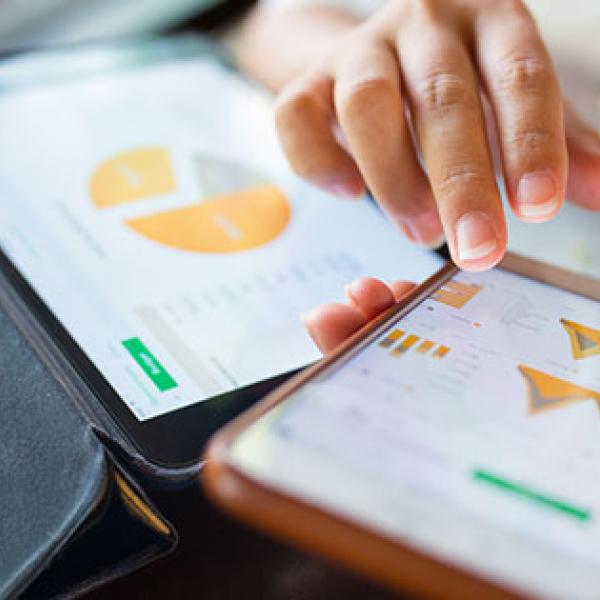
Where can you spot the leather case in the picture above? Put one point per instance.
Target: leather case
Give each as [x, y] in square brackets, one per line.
[70, 515]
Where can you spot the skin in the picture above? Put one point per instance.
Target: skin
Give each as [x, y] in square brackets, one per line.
[330, 324]
[425, 103]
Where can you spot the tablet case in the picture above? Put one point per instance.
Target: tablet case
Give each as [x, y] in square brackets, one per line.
[70, 515]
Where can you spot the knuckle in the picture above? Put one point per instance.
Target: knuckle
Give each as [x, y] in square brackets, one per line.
[294, 106]
[533, 139]
[456, 179]
[368, 96]
[524, 74]
[442, 91]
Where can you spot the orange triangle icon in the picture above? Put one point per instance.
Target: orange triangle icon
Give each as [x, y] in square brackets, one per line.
[585, 341]
[546, 392]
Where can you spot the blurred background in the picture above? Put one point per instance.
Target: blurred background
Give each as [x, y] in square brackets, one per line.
[569, 27]
[47, 22]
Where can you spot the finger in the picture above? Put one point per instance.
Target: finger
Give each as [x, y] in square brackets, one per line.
[304, 117]
[400, 289]
[329, 325]
[583, 143]
[523, 88]
[371, 114]
[444, 95]
[369, 296]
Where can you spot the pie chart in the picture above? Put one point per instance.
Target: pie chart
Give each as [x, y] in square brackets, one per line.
[233, 208]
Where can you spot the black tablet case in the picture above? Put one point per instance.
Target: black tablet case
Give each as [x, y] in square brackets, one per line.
[70, 515]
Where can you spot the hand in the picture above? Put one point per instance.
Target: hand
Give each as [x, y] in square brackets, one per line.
[331, 324]
[422, 103]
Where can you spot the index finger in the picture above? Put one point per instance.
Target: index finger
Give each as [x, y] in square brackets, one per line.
[445, 101]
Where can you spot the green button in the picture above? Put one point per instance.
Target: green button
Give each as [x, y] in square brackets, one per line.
[533, 496]
[149, 364]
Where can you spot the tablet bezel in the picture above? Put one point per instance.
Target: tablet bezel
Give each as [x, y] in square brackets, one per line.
[173, 440]
[358, 547]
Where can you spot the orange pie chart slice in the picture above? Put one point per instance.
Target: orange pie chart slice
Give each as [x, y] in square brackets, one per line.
[131, 176]
[237, 209]
[229, 223]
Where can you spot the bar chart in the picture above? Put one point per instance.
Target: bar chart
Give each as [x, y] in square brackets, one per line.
[456, 293]
[399, 342]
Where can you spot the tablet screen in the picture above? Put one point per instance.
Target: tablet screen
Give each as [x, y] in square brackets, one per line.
[152, 211]
[469, 429]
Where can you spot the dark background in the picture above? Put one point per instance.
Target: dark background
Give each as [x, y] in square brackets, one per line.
[218, 559]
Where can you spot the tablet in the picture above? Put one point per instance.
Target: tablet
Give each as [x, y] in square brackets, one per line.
[451, 449]
[150, 221]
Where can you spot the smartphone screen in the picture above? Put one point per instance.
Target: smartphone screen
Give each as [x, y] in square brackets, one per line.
[469, 429]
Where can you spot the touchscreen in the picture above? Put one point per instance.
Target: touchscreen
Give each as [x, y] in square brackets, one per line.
[152, 211]
[470, 429]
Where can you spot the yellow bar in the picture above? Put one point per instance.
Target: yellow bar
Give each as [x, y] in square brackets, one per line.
[409, 341]
[391, 338]
[441, 352]
[456, 294]
[425, 347]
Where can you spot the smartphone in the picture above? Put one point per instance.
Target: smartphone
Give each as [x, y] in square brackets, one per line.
[451, 448]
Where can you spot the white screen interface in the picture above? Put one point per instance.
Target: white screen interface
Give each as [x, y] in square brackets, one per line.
[470, 429]
[152, 210]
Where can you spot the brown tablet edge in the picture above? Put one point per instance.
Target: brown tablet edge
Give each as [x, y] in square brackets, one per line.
[381, 560]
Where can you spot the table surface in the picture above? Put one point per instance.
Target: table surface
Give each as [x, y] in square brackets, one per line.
[218, 559]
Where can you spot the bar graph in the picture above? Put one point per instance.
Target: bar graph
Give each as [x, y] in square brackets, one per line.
[425, 346]
[456, 293]
[408, 342]
[441, 352]
[392, 338]
[399, 342]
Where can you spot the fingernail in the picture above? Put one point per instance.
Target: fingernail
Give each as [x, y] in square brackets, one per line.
[345, 189]
[537, 195]
[475, 236]
[305, 318]
[337, 189]
[424, 229]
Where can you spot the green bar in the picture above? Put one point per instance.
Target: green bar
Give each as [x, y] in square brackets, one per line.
[149, 364]
[523, 492]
